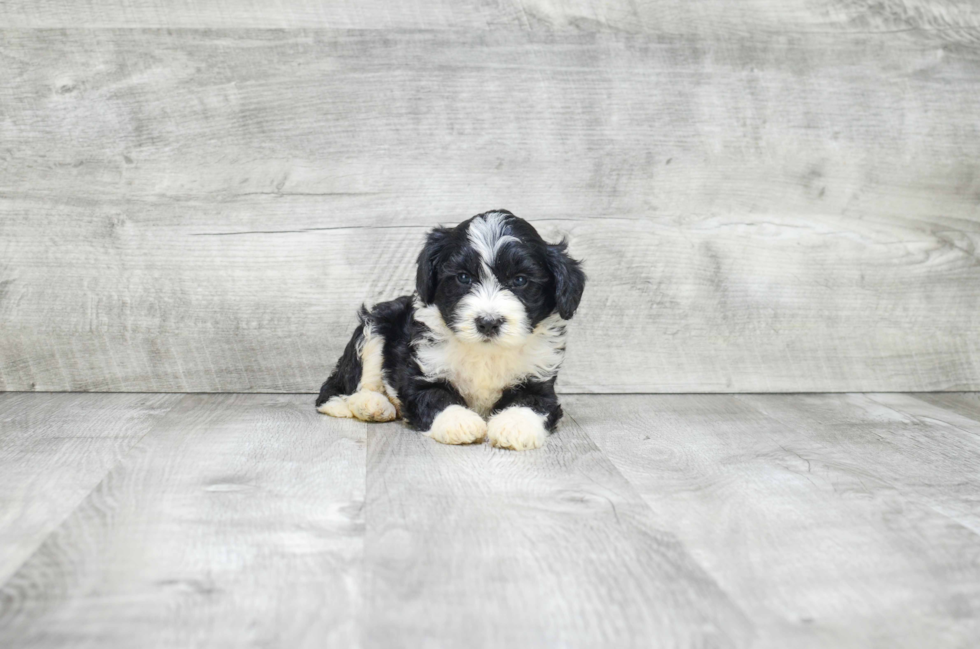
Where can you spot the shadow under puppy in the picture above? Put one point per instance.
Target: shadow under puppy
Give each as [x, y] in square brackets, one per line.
[483, 336]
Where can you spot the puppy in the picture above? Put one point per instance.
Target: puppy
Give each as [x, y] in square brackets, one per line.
[483, 336]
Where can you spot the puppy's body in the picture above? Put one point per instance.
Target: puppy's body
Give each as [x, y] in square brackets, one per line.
[484, 335]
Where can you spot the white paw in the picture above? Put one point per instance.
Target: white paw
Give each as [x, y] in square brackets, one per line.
[518, 428]
[335, 407]
[367, 405]
[458, 425]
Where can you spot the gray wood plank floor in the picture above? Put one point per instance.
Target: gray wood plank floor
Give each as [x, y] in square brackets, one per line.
[844, 520]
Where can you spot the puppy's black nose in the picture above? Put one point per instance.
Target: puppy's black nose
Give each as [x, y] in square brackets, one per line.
[489, 327]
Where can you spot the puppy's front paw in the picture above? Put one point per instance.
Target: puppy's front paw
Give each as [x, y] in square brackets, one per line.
[458, 425]
[368, 405]
[517, 428]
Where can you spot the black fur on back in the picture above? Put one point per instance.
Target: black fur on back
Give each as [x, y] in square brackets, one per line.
[392, 320]
[347, 373]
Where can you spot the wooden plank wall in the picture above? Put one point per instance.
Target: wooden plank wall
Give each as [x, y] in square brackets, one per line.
[769, 196]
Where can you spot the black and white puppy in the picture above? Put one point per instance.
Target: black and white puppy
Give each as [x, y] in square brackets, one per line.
[483, 336]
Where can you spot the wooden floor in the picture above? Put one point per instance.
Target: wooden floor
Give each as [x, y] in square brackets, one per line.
[834, 520]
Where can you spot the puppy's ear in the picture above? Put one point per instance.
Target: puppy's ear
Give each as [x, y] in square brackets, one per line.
[425, 276]
[569, 279]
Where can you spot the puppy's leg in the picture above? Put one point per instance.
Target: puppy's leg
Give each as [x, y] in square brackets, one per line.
[344, 379]
[370, 403]
[524, 416]
[441, 412]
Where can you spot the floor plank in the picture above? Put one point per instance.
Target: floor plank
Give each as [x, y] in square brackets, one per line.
[648, 520]
[54, 449]
[476, 547]
[966, 404]
[235, 522]
[927, 455]
[831, 520]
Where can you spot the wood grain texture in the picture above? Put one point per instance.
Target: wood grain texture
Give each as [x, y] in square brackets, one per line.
[647, 520]
[832, 520]
[236, 522]
[929, 454]
[950, 20]
[964, 403]
[204, 210]
[479, 547]
[54, 449]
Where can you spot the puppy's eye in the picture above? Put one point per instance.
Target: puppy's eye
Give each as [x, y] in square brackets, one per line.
[464, 278]
[519, 281]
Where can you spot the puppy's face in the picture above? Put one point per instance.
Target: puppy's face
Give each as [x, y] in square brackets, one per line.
[493, 278]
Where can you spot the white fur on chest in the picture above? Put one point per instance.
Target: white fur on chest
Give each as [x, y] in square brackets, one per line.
[482, 371]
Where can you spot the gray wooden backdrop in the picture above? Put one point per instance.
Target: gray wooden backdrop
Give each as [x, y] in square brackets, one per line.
[769, 195]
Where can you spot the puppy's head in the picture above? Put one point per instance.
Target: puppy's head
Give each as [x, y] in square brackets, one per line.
[493, 278]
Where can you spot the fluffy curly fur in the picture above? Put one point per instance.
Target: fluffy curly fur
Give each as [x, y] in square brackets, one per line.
[483, 336]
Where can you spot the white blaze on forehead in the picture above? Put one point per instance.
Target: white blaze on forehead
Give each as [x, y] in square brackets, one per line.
[486, 235]
[486, 297]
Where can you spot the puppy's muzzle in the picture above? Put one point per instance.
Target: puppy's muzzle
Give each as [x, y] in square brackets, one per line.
[488, 326]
